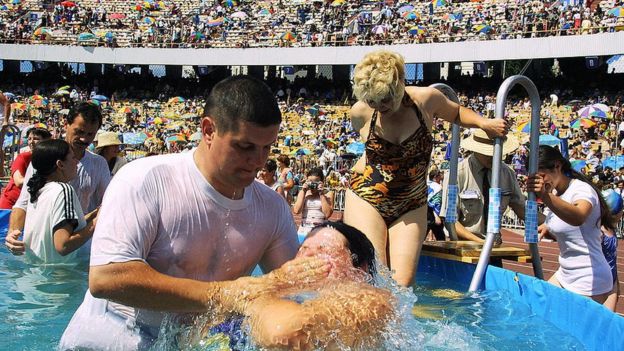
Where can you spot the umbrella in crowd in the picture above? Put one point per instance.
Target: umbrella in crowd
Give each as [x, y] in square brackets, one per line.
[551, 140]
[582, 122]
[288, 36]
[410, 15]
[198, 36]
[439, 3]
[43, 33]
[99, 97]
[68, 4]
[128, 109]
[613, 162]
[95, 102]
[300, 152]
[578, 165]
[264, 12]
[406, 8]
[356, 148]
[60, 92]
[148, 20]
[18, 106]
[379, 29]
[230, 3]
[86, 36]
[524, 127]
[215, 22]
[175, 138]
[196, 136]
[117, 16]
[239, 14]
[16, 2]
[595, 110]
[417, 30]
[134, 138]
[176, 99]
[483, 28]
[36, 97]
[9, 95]
[453, 16]
[617, 11]
[337, 3]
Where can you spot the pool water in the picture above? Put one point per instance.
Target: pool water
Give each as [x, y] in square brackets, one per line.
[36, 303]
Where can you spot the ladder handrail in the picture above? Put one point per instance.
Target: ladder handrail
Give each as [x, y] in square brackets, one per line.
[493, 225]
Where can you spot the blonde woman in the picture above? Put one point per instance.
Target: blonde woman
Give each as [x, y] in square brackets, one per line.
[388, 196]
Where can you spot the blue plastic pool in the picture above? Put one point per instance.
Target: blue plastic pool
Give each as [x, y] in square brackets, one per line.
[37, 303]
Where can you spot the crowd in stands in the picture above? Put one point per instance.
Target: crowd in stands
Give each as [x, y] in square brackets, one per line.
[316, 129]
[298, 23]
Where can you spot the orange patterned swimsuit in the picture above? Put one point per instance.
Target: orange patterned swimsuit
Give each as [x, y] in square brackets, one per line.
[395, 178]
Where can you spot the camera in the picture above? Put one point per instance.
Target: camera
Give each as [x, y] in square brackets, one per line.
[313, 185]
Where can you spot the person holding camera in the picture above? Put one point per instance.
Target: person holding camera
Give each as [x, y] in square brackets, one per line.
[314, 204]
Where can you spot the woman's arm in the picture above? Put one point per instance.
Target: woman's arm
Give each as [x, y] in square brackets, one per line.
[18, 179]
[67, 241]
[351, 315]
[572, 213]
[440, 106]
[327, 203]
[301, 196]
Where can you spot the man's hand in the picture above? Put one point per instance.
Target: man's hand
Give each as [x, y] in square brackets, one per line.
[12, 242]
[496, 127]
[300, 270]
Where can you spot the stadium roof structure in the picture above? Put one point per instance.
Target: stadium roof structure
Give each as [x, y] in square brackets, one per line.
[603, 44]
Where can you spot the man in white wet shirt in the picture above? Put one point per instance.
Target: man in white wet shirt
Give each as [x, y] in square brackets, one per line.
[83, 122]
[179, 233]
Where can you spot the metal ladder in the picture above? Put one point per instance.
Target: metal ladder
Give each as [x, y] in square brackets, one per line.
[493, 225]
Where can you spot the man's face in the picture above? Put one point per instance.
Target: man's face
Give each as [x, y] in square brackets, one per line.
[238, 156]
[80, 134]
[486, 161]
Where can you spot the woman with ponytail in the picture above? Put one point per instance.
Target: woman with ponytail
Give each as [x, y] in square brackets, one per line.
[55, 224]
[575, 214]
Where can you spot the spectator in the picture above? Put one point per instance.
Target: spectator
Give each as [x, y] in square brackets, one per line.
[314, 203]
[11, 192]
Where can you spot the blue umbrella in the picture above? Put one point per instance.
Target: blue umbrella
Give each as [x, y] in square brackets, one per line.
[356, 148]
[405, 8]
[614, 162]
[9, 95]
[86, 36]
[578, 165]
[547, 139]
[100, 98]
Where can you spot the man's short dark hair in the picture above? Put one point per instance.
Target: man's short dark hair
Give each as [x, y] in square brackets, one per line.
[241, 99]
[88, 111]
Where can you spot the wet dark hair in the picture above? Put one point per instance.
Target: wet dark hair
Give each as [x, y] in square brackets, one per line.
[241, 99]
[88, 111]
[44, 157]
[548, 159]
[316, 171]
[270, 165]
[362, 250]
[40, 132]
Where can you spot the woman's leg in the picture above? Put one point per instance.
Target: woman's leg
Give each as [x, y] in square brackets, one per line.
[406, 236]
[363, 216]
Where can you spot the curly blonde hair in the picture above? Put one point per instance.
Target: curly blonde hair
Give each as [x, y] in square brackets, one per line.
[379, 75]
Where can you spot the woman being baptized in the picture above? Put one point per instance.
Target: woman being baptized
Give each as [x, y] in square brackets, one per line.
[342, 309]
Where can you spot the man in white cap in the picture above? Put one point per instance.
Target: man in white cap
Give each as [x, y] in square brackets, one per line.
[474, 175]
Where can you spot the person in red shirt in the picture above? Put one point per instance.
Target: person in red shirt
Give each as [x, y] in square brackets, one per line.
[11, 192]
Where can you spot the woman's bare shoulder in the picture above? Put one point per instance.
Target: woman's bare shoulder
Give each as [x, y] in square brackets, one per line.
[421, 94]
[360, 114]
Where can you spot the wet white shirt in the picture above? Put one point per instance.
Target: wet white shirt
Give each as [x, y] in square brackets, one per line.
[56, 205]
[583, 268]
[90, 182]
[162, 211]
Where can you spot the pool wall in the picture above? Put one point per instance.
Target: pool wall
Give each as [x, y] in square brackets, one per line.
[593, 325]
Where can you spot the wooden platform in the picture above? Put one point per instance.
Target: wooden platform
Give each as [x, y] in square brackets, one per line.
[469, 251]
